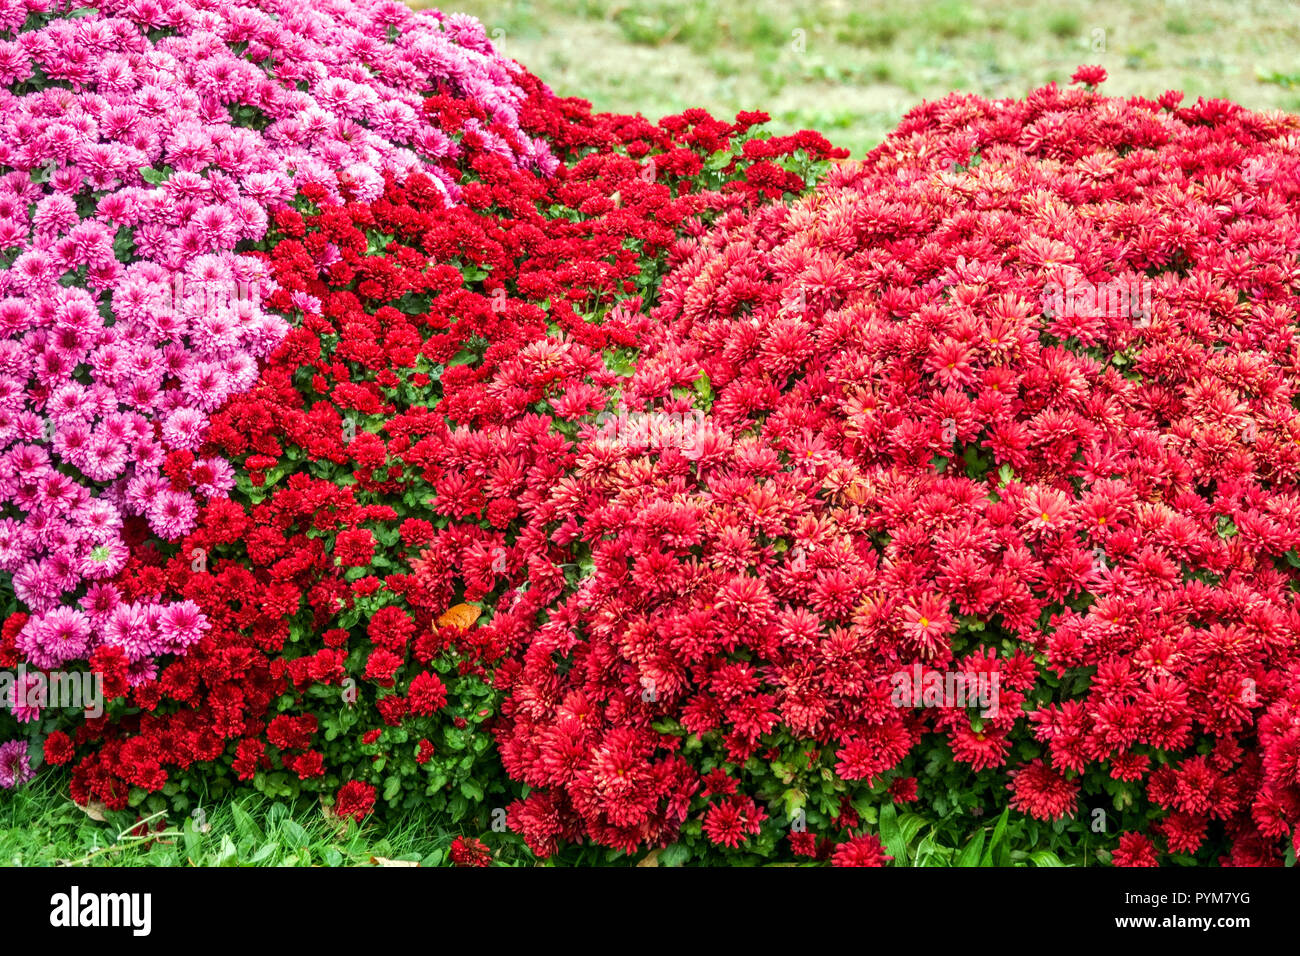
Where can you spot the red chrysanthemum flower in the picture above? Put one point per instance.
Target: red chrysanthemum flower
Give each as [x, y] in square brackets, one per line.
[1042, 793]
[1134, 850]
[732, 821]
[58, 748]
[863, 850]
[1091, 75]
[470, 851]
[355, 800]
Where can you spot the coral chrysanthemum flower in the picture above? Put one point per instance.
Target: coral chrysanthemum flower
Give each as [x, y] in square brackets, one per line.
[927, 623]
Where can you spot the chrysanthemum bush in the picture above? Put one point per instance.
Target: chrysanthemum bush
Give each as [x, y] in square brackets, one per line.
[937, 441]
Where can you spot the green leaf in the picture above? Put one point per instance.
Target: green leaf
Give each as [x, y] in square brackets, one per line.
[892, 836]
[910, 825]
[193, 840]
[995, 844]
[929, 853]
[463, 357]
[1045, 858]
[471, 790]
[794, 801]
[674, 855]
[704, 389]
[123, 245]
[294, 833]
[718, 161]
[244, 824]
[970, 856]
[391, 786]
[227, 855]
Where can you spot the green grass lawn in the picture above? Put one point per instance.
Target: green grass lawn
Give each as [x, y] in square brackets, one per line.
[851, 68]
[41, 826]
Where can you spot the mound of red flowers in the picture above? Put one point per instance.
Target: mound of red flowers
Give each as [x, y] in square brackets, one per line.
[1011, 406]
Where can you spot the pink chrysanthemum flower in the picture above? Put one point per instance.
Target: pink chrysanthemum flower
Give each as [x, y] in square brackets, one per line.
[15, 768]
[180, 625]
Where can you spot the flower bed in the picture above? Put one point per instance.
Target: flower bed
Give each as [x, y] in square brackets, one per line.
[603, 486]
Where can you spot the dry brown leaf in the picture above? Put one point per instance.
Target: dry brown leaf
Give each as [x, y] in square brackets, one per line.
[95, 810]
[337, 823]
[460, 616]
[382, 861]
[651, 859]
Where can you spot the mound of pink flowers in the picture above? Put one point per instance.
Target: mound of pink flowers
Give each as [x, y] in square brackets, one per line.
[143, 145]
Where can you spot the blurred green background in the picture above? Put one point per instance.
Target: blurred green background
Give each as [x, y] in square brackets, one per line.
[851, 68]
